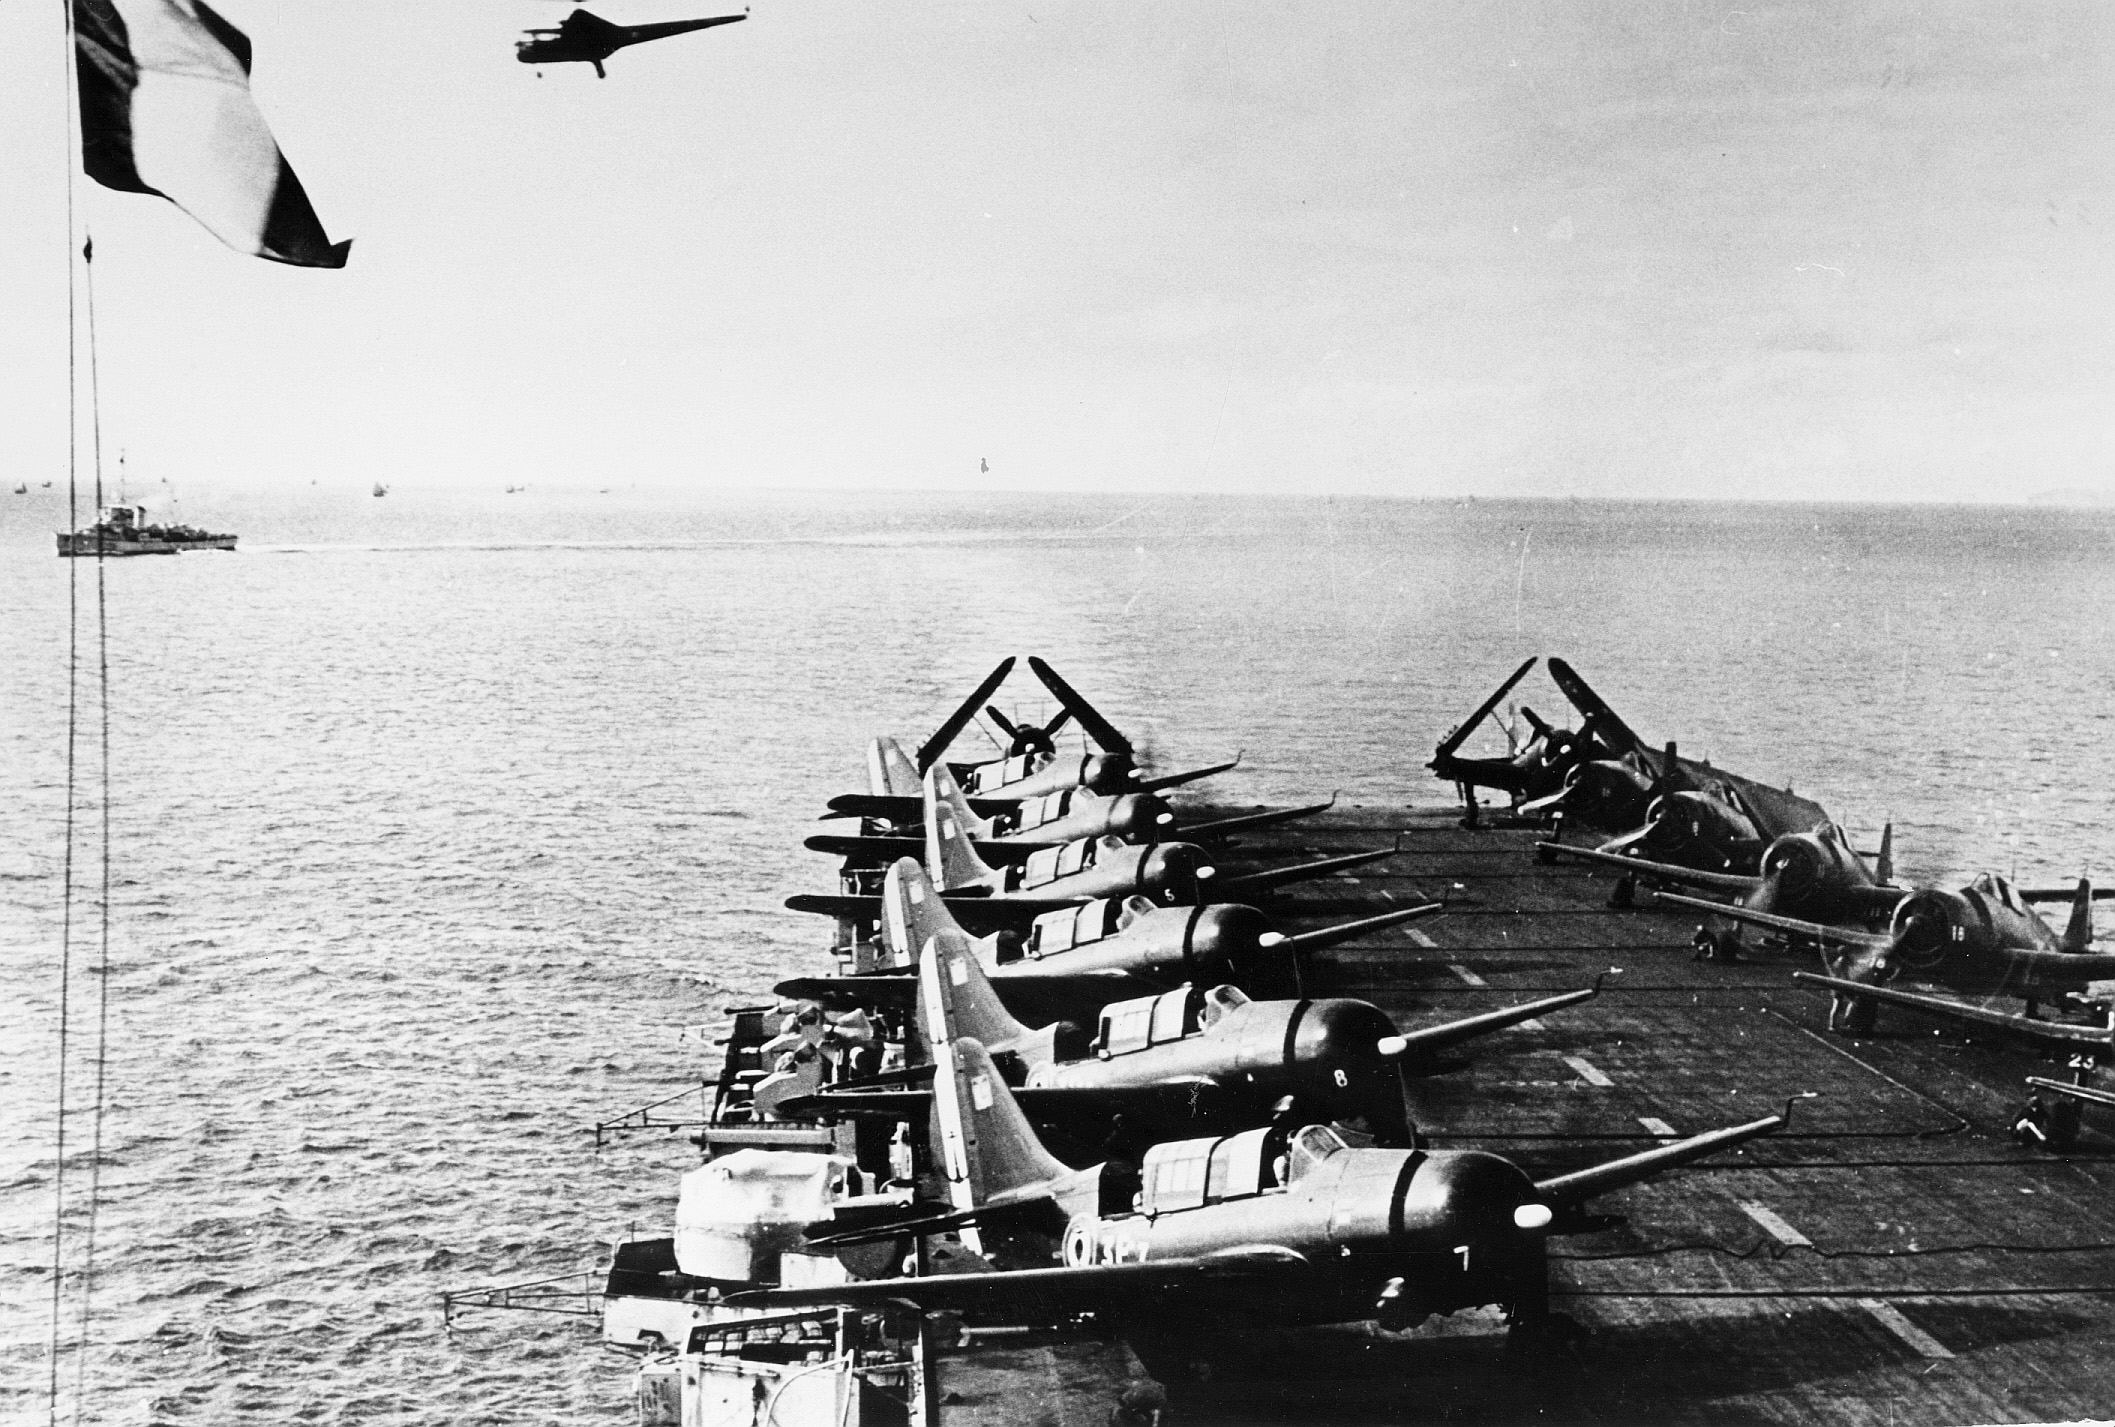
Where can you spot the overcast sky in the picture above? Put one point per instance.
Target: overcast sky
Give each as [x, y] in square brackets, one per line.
[1819, 250]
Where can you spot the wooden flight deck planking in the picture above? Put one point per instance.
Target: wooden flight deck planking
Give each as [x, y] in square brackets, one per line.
[1731, 1295]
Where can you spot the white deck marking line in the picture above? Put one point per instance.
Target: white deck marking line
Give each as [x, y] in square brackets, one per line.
[1533, 1023]
[1891, 1319]
[1586, 1072]
[1658, 1127]
[1466, 975]
[1387, 896]
[1774, 1226]
[1413, 934]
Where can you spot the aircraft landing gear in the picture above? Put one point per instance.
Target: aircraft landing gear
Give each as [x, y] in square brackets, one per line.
[1715, 946]
[1625, 895]
[2041, 1125]
[1469, 806]
[1852, 1015]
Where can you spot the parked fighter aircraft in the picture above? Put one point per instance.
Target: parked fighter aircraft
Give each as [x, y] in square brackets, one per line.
[1229, 1059]
[1983, 939]
[1675, 809]
[1030, 766]
[582, 38]
[1535, 770]
[1101, 951]
[1013, 830]
[1274, 1226]
[1816, 875]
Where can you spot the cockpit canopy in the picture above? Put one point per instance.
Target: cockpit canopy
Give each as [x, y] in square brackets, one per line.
[1988, 885]
[1054, 862]
[1089, 922]
[1146, 1021]
[987, 776]
[1188, 1174]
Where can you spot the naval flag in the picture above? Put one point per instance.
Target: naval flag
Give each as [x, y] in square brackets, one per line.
[166, 109]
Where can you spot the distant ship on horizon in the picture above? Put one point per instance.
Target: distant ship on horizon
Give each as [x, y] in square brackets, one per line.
[124, 530]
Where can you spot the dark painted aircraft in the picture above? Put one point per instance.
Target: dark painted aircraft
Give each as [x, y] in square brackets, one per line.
[1275, 1226]
[1075, 959]
[1226, 1059]
[1984, 939]
[1669, 808]
[1532, 770]
[1817, 875]
[582, 38]
[1013, 830]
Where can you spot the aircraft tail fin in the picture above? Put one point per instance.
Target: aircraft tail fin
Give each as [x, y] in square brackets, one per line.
[988, 1150]
[948, 856]
[951, 797]
[889, 772]
[956, 999]
[2078, 932]
[912, 913]
[1884, 862]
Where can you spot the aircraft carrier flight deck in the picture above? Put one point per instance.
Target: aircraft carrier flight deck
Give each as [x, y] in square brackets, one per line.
[1891, 1256]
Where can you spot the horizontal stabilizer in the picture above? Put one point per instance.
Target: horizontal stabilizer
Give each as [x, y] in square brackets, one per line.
[903, 811]
[1337, 935]
[1584, 1184]
[1791, 926]
[1038, 1295]
[1176, 780]
[2048, 1032]
[1432, 1039]
[920, 1224]
[1232, 889]
[890, 848]
[1172, 1100]
[1664, 871]
[978, 915]
[1467, 726]
[836, 991]
[1220, 827]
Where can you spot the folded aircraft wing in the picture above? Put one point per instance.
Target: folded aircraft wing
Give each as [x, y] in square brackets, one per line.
[1175, 1100]
[2048, 1032]
[1665, 871]
[1792, 926]
[1038, 1295]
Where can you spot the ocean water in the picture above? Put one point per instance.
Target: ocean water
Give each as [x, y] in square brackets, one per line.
[438, 822]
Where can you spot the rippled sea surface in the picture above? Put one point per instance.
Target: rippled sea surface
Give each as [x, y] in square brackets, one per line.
[436, 821]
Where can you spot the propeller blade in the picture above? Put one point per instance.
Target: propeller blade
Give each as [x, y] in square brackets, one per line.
[1006, 725]
[930, 750]
[1097, 728]
[1063, 717]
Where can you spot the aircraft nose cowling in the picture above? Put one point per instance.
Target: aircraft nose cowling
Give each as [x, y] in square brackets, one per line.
[1923, 929]
[1169, 873]
[1226, 942]
[1136, 818]
[1607, 793]
[1107, 773]
[1337, 1060]
[1466, 1197]
[1794, 863]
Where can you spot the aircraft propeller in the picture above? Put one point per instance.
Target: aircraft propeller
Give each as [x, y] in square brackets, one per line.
[930, 750]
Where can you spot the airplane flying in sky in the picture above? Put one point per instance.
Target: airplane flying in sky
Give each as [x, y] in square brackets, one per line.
[582, 38]
[1279, 1225]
